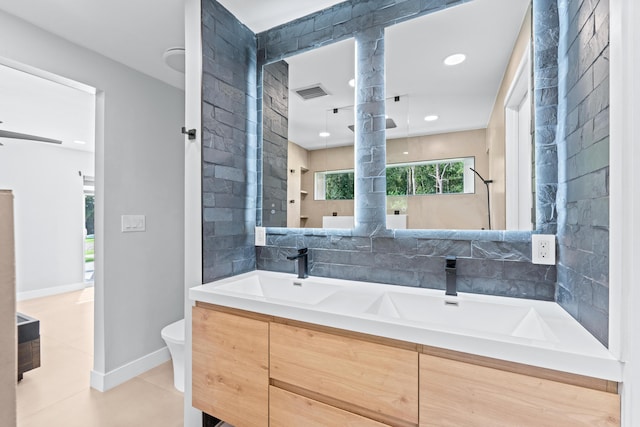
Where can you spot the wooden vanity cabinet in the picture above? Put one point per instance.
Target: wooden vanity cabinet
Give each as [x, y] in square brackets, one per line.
[289, 409]
[256, 370]
[375, 380]
[455, 393]
[231, 367]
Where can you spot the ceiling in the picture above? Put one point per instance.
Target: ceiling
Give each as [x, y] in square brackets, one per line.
[133, 32]
[136, 33]
[260, 15]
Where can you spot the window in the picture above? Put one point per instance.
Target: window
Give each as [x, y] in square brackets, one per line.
[334, 185]
[450, 176]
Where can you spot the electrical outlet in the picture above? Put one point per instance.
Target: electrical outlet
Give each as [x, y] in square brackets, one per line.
[261, 236]
[543, 249]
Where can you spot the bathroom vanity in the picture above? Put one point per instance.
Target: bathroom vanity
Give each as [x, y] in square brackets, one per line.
[270, 349]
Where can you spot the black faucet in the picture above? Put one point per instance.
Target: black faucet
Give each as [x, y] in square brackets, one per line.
[303, 262]
[450, 270]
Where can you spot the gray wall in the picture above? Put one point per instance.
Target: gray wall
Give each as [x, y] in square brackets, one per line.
[275, 144]
[229, 169]
[139, 170]
[486, 263]
[583, 152]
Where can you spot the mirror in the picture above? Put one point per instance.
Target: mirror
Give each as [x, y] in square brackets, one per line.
[458, 111]
[307, 108]
[472, 102]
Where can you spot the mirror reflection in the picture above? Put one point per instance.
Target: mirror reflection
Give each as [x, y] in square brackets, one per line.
[443, 123]
[319, 96]
[457, 67]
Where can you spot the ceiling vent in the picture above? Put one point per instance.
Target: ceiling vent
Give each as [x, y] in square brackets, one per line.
[390, 124]
[310, 92]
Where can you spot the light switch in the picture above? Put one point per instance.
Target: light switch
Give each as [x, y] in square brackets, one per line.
[133, 223]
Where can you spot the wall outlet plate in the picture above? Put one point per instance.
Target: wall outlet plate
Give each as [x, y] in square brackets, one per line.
[261, 236]
[543, 249]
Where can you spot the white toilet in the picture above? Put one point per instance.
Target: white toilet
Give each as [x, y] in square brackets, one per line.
[173, 335]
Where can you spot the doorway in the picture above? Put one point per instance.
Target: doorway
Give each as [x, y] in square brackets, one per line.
[519, 150]
[53, 186]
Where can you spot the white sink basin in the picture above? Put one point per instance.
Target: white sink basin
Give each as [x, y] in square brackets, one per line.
[538, 333]
[463, 314]
[303, 291]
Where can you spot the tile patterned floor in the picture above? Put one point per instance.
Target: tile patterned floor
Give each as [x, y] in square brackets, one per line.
[58, 394]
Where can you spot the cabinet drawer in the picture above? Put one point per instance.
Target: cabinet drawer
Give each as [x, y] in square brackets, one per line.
[288, 409]
[231, 367]
[454, 393]
[379, 378]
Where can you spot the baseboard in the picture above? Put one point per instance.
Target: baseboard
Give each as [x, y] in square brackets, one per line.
[111, 379]
[54, 290]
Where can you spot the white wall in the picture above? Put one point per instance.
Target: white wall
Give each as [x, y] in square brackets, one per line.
[139, 170]
[193, 187]
[625, 201]
[48, 206]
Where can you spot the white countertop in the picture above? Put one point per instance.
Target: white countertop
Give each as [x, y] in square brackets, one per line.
[537, 333]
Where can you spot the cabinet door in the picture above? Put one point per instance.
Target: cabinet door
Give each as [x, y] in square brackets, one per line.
[231, 367]
[379, 378]
[288, 409]
[456, 394]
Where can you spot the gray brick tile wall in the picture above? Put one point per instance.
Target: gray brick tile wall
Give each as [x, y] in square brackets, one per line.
[275, 140]
[583, 140]
[229, 142]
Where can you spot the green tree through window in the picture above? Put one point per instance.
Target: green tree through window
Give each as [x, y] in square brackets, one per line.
[339, 186]
[408, 179]
[426, 178]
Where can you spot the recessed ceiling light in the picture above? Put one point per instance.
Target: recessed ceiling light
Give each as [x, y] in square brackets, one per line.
[431, 118]
[405, 152]
[352, 82]
[79, 142]
[324, 134]
[456, 59]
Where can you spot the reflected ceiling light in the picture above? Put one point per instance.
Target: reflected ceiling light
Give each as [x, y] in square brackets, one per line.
[456, 59]
[352, 82]
[431, 118]
[324, 134]
[405, 152]
[79, 142]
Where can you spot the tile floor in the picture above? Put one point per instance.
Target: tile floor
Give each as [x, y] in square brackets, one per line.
[58, 394]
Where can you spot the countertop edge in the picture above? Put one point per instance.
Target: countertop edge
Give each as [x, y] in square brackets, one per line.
[580, 364]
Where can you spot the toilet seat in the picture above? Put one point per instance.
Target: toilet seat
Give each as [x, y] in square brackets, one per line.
[174, 332]
[173, 335]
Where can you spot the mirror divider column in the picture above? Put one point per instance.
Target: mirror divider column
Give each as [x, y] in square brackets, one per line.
[370, 141]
